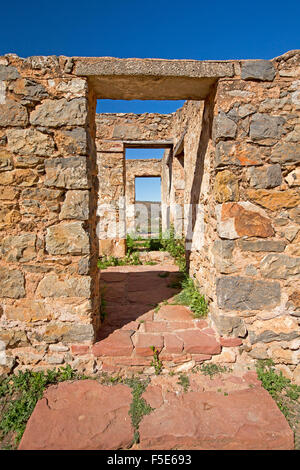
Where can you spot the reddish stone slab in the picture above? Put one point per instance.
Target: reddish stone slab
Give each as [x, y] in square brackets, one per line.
[174, 313]
[117, 344]
[153, 396]
[181, 325]
[144, 342]
[201, 324]
[230, 342]
[80, 349]
[201, 357]
[242, 420]
[197, 342]
[155, 327]
[173, 344]
[81, 415]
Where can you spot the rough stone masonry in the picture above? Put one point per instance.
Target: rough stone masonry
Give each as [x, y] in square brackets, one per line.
[233, 149]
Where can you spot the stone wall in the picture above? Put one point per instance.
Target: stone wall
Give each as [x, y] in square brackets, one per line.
[48, 274]
[233, 159]
[252, 236]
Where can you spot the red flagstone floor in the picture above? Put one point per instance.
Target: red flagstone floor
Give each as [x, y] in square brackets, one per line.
[229, 411]
[134, 325]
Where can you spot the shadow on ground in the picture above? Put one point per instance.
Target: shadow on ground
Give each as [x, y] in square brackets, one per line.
[130, 292]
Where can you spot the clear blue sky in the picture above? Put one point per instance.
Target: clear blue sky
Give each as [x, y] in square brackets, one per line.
[172, 29]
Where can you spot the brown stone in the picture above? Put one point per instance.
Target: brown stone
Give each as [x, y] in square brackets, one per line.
[101, 422]
[237, 153]
[226, 187]
[29, 142]
[275, 200]
[242, 219]
[13, 113]
[27, 310]
[295, 298]
[11, 283]
[67, 238]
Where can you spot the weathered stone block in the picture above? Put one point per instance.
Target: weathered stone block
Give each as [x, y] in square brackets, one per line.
[29, 142]
[262, 245]
[52, 286]
[41, 194]
[222, 252]
[276, 329]
[226, 187]
[285, 153]
[273, 199]
[14, 338]
[241, 293]
[18, 248]
[241, 219]
[69, 173]
[8, 193]
[280, 266]
[237, 153]
[67, 238]
[224, 127]
[266, 177]
[66, 332]
[6, 163]
[73, 142]
[30, 91]
[258, 70]
[84, 265]
[9, 215]
[57, 113]
[11, 283]
[7, 72]
[75, 206]
[263, 126]
[293, 178]
[27, 310]
[13, 114]
[227, 325]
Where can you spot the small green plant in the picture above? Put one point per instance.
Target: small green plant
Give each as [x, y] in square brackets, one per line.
[175, 246]
[130, 259]
[213, 369]
[184, 381]
[191, 297]
[156, 362]
[171, 373]
[281, 389]
[139, 407]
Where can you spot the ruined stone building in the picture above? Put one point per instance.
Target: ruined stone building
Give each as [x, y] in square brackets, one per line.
[232, 156]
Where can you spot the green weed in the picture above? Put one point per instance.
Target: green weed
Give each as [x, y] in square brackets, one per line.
[139, 407]
[191, 297]
[184, 381]
[279, 387]
[156, 362]
[213, 369]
